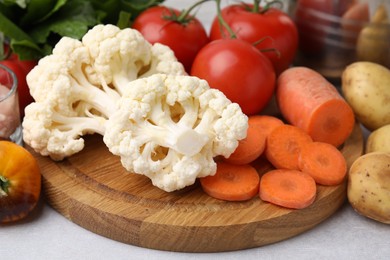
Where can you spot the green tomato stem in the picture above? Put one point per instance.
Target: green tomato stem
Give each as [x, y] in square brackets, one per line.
[4, 184]
[232, 34]
[183, 17]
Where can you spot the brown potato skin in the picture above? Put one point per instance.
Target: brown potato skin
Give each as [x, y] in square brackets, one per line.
[379, 140]
[369, 186]
[366, 87]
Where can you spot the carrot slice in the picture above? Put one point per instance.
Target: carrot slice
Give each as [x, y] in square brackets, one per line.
[288, 188]
[232, 182]
[324, 162]
[250, 148]
[284, 144]
[307, 100]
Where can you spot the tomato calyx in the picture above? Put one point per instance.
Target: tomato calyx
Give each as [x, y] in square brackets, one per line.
[184, 17]
[4, 185]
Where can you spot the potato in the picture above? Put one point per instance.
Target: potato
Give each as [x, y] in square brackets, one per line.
[366, 87]
[379, 140]
[369, 186]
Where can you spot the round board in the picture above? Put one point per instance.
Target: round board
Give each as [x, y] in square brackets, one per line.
[93, 190]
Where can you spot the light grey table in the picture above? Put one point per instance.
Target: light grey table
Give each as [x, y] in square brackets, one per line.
[48, 235]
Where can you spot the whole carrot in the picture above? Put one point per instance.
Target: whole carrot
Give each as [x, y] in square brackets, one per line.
[307, 100]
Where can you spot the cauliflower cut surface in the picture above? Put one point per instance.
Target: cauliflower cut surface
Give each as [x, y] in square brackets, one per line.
[77, 88]
[170, 128]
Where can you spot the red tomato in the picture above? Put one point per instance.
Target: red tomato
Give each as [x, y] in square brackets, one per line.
[239, 70]
[185, 38]
[21, 69]
[274, 28]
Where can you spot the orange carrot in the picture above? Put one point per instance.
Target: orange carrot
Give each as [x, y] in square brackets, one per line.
[232, 182]
[284, 144]
[307, 100]
[265, 123]
[288, 188]
[250, 148]
[324, 162]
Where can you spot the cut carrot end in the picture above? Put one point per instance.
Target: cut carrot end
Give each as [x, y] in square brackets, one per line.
[307, 100]
[324, 162]
[288, 188]
[332, 122]
[284, 144]
[232, 182]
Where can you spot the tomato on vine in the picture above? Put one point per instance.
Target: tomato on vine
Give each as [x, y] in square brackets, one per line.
[239, 70]
[273, 30]
[179, 30]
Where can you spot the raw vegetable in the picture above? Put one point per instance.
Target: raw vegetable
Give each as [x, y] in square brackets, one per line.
[379, 140]
[324, 162]
[77, 87]
[170, 128]
[307, 100]
[369, 186]
[253, 146]
[232, 182]
[366, 87]
[20, 182]
[373, 41]
[179, 30]
[34, 27]
[284, 144]
[271, 30]
[239, 70]
[288, 188]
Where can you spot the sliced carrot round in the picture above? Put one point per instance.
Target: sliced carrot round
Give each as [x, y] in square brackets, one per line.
[232, 182]
[324, 162]
[250, 148]
[288, 188]
[284, 144]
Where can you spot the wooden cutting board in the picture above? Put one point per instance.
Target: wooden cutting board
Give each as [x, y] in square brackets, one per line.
[93, 190]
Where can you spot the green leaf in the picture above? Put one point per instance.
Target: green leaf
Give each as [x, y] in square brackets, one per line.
[11, 30]
[72, 20]
[20, 3]
[26, 50]
[40, 10]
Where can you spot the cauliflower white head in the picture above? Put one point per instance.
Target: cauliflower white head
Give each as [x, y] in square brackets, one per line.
[77, 87]
[170, 128]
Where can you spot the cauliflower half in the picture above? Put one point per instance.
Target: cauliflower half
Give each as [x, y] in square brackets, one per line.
[77, 88]
[170, 128]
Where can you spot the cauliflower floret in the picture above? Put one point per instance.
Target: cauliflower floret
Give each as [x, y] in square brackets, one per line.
[170, 128]
[77, 88]
[124, 55]
[56, 135]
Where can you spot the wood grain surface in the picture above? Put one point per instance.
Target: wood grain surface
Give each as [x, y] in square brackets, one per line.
[93, 190]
